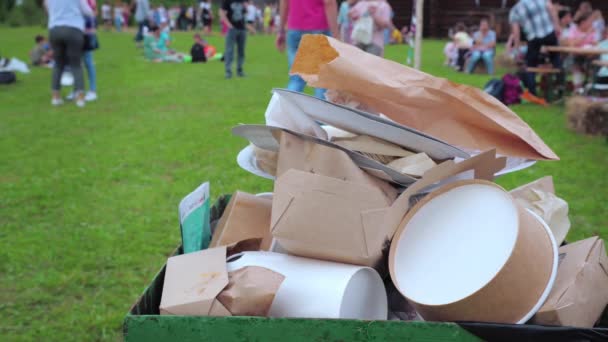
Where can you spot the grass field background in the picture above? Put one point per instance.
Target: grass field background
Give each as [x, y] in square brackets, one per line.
[88, 197]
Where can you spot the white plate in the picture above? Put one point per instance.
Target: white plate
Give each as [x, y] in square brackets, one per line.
[359, 122]
[246, 160]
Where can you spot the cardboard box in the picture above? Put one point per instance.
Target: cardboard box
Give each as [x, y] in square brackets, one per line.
[192, 283]
[580, 293]
[246, 217]
[199, 284]
[338, 220]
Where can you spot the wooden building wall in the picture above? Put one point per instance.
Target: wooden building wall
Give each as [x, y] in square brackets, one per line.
[440, 15]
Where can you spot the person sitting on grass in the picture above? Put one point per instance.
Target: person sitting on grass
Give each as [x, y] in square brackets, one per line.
[198, 50]
[153, 53]
[483, 47]
[203, 51]
[164, 39]
[41, 54]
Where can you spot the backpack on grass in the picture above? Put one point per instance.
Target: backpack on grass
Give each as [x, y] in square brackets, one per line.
[495, 87]
[511, 93]
[7, 77]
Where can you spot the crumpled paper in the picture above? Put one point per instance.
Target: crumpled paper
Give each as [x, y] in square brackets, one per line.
[250, 291]
[539, 196]
[552, 209]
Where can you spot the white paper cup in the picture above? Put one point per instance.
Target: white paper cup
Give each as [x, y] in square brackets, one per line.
[468, 252]
[320, 289]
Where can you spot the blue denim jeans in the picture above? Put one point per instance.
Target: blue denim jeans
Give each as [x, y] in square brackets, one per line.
[118, 24]
[296, 83]
[89, 64]
[238, 37]
[486, 56]
[139, 37]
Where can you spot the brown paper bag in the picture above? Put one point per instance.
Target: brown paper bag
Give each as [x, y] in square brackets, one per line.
[250, 291]
[461, 115]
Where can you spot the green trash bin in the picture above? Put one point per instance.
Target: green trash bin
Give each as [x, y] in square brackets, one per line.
[144, 324]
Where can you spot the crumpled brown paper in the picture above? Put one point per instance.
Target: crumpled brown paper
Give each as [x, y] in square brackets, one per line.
[539, 197]
[461, 115]
[250, 291]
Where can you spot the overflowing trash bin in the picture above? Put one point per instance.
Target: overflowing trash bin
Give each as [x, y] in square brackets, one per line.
[384, 223]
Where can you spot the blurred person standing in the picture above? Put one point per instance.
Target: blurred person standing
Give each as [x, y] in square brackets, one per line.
[118, 16]
[380, 13]
[106, 15]
[344, 23]
[267, 18]
[251, 16]
[142, 15]
[232, 14]
[300, 17]
[539, 20]
[90, 44]
[206, 16]
[66, 26]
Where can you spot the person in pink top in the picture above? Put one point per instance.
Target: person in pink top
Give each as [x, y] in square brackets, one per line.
[582, 34]
[380, 11]
[300, 17]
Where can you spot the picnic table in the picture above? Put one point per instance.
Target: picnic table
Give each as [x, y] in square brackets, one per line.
[590, 54]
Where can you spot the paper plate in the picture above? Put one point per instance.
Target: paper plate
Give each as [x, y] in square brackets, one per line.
[246, 160]
[359, 122]
[262, 137]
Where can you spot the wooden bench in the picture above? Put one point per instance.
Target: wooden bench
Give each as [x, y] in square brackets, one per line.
[550, 78]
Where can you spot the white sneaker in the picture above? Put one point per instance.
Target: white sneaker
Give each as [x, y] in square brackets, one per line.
[70, 97]
[56, 102]
[80, 103]
[90, 96]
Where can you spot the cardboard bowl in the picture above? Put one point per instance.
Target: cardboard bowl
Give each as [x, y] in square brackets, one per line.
[468, 252]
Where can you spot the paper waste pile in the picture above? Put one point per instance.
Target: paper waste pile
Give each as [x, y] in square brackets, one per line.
[384, 207]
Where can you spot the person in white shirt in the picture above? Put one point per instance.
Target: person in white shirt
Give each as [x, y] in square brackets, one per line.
[106, 15]
[250, 17]
[66, 26]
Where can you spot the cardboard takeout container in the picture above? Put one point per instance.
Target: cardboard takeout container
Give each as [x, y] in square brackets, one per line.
[467, 252]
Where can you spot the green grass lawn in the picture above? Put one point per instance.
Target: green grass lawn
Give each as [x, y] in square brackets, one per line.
[88, 197]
